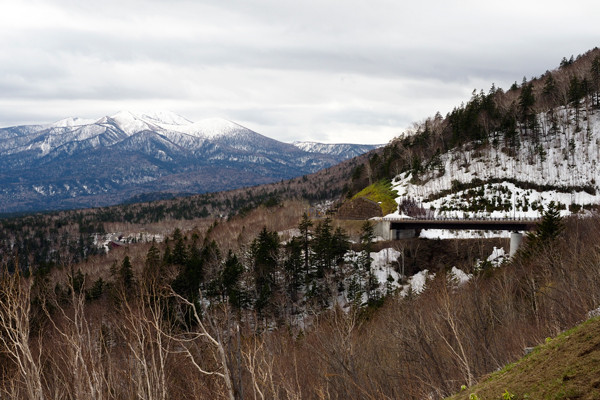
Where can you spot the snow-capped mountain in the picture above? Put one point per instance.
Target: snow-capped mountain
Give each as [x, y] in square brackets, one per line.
[78, 163]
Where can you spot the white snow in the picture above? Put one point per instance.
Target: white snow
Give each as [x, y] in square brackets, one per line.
[417, 282]
[459, 276]
[213, 127]
[71, 122]
[497, 257]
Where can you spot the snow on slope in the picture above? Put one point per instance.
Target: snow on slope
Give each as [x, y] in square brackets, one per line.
[567, 159]
[70, 122]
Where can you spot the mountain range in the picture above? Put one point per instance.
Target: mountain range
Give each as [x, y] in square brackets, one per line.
[77, 163]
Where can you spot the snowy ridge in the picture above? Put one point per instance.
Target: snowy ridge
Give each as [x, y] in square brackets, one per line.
[511, 185]
[70, 122]
[347, 149]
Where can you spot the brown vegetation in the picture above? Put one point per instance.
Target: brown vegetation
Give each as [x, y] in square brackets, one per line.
[150, 343]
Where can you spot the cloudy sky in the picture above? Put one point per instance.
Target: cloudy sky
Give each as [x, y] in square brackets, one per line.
[332, 71]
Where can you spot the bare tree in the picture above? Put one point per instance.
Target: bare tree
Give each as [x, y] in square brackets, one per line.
[84, 372]
[186, 341]
[15, 305]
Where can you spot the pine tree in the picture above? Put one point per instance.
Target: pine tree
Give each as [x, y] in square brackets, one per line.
[339, 245]
[230, 281]
[304, 227]
[126, 273]
[153, 267]
[526, 102]
[551, 224]
[547, 230]
[550, 90]
[595, 77]
[264, 253]
[321, 247]
[293, 266]
[179, 255]
[364, 260]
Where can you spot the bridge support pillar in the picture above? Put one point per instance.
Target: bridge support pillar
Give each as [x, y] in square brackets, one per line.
[515, 241]
[383, 229]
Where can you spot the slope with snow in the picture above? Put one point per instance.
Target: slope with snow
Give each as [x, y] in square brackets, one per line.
[348, 150]
[563, 167]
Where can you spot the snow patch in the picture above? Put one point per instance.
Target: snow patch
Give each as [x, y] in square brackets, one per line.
[417, 283]
[459, 276]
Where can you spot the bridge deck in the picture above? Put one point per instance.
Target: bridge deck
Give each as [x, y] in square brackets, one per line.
[463, 224]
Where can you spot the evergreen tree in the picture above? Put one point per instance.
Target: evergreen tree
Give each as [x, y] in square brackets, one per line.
[126, 273]
[549, 92]
[179, 255]
[77, 280]
[322, 247]
[230, 281]
[305, 235]
[547, 230]
[187, 283]
[526, 102]
[293, 266]
[575, 94]
[366, 241]
[153, 267]
[595, 77]
[264, 254]
[551, 224]
[96, 290]
[339, 245]
[167, 258]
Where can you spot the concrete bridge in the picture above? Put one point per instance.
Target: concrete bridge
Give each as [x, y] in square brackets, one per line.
[403, 228]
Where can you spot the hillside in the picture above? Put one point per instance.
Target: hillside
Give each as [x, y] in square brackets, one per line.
[504, 153]
[564, 367]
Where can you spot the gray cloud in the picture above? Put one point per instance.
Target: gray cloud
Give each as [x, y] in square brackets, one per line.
[329, 70]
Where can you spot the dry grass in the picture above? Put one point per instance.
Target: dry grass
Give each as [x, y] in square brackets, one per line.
[565, 367]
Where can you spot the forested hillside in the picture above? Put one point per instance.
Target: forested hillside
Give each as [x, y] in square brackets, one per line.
[525, 145]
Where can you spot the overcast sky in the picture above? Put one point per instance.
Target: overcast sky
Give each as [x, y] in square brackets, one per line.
[332, 71]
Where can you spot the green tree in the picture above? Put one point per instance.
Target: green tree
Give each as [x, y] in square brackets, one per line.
[264, 254]
[364, 259]
[230, 281]
[153, 267]
[339, 246]
[322, 247]
[547, 230]
[293, 266]
[550, 90]
[595, 77]
[526, 103]
[551, 224]
[305, 235]
[126, 273]
[180, 254]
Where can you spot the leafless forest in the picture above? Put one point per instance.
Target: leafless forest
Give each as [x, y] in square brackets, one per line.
[148, 342]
